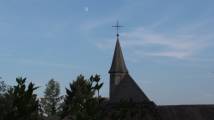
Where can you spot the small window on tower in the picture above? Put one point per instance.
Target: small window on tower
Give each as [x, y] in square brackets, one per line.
[117, 80]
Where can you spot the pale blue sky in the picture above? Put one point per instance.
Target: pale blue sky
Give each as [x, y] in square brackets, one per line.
[167, 44]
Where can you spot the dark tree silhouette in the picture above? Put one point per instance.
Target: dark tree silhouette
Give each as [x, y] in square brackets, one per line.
[21, 102]
[50, 101]
[3, 87]
[96, 79]
[80, 101]
[5, 101]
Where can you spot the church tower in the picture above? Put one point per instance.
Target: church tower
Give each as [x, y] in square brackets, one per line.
[122, 86]
[118, 68]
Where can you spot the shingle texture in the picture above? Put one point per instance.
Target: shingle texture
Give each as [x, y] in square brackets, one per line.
[118, 64]
[129, 90]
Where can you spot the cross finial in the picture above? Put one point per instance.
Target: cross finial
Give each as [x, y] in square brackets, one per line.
[117, 26]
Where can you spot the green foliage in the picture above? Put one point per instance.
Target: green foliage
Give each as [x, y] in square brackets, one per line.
[20, 102]
[5, 101]
[96, 79]
[80, 103]
[50, 102]
[3, 87]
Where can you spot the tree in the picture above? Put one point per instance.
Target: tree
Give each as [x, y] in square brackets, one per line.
[21, 102]
[80, 103]
[50, 102]
[3, 87]
[5, 101]
[97, 86]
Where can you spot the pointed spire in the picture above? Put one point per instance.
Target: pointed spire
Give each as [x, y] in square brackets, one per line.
[118, 64]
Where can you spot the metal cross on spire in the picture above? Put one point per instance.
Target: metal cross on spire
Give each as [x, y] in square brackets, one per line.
[117, 26]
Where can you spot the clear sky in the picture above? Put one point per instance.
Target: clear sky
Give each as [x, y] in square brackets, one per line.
[167, 44]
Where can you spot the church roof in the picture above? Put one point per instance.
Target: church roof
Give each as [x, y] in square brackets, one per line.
[118, 64]
[129, 90]
[186, 112]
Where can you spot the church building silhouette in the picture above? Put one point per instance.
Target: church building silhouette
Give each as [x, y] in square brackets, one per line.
[124, 88]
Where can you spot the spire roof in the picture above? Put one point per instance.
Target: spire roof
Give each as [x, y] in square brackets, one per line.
[118, 64]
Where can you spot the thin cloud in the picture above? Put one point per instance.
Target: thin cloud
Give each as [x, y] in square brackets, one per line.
[43, 63]
[178, 46]
[37, 62]
[105, 44]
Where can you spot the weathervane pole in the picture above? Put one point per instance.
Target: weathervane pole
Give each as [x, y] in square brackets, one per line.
[117, 26]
